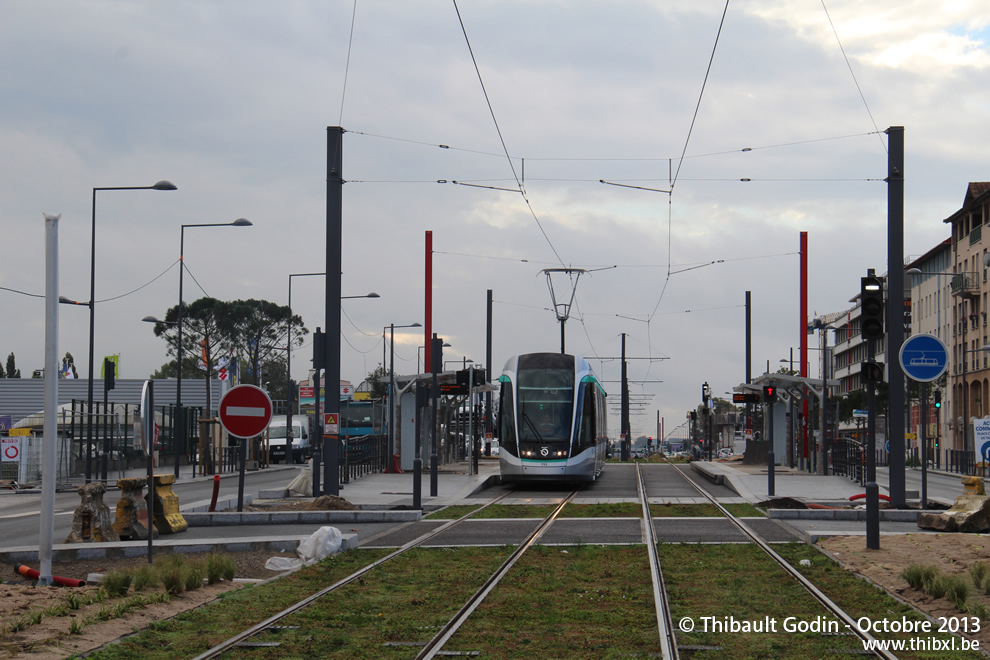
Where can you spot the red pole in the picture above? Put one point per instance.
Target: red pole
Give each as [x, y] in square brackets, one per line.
[428, 314]
[216, 492]
[804, 337]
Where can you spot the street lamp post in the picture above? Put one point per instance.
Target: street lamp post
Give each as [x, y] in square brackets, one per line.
[419, 348]
[391, 391]
[161, 185]
[179, 439]
[288, 367]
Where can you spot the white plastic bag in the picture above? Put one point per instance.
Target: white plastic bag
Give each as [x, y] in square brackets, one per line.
[322, 543]
[283, 563]
[303, 482]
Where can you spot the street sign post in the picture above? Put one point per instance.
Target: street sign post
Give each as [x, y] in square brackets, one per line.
[924, 358]
[245, 411]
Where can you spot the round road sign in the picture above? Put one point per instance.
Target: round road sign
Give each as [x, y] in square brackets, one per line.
[245, 411]
[924, 358]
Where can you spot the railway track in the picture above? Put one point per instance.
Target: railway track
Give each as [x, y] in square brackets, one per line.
[666, 629]
[815, 592]
[433, 646]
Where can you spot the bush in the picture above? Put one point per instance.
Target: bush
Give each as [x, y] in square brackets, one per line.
[918, 575]
[144, 577]
[937, 586]
[979, 571]
[220, 567]
[117, 583]
[173, 577]
[957, 590]
[193, 576]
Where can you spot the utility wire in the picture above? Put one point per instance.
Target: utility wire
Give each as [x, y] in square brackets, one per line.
[697, 107]
[41, 295]
[853, 74]
[160, 275]
[519, 184]
[194, 280]
[607, 159]
[347, 64]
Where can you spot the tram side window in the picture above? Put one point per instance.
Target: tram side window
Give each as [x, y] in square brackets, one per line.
[506, 417]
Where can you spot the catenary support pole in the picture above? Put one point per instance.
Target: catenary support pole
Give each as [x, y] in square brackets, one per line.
[895, 313]
[331, 378]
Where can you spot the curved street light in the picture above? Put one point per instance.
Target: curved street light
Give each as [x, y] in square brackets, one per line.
[179, 439]
[161, 185]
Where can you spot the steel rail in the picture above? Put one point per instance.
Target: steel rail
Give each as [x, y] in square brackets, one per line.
[302, 604]
[817, 593]
[665, 621]
[436, 644]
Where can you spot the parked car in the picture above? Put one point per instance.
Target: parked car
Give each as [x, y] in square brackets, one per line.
[725, 452]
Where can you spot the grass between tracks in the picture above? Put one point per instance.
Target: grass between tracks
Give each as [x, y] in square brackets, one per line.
[741, 583]
[579, 601]
[557, 602]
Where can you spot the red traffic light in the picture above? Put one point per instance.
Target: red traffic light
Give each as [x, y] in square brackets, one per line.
[770, 393]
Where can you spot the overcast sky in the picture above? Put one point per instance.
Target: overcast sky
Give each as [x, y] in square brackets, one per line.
[230, 101]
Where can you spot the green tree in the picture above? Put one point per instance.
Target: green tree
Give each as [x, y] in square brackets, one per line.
[12, 370]
[71, 362]
[378, 381]
[3, 374]
[260, 330]
[202, 336]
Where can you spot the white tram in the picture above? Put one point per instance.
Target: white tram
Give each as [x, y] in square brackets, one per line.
[552, 419]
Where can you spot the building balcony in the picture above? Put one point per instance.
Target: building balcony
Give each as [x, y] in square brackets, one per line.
[966, 284]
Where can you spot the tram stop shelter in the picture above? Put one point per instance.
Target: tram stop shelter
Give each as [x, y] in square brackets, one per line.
[409, 417]
[788, 439]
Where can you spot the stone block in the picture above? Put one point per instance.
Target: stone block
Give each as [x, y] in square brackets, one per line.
[970, 514]
[168, 519]
[132, 510]
[91, 521]
[973, 486]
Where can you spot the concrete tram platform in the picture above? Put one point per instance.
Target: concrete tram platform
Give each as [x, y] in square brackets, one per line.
[384, 503]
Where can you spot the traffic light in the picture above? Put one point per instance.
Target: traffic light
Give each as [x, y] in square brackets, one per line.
[871, 307]
[872, 372]
[938, 399]
[770, 393]
[694, 415]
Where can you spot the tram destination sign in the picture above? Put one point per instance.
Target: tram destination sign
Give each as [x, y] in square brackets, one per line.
[746, 397]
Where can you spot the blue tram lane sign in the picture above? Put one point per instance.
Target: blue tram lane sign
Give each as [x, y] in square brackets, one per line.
[923, 357]
[981, 438]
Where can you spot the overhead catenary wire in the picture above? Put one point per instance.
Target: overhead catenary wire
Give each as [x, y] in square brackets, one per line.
[347, 64]
[498, 130]
[853, 74]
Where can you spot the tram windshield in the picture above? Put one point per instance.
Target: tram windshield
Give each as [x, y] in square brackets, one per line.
[545, 406]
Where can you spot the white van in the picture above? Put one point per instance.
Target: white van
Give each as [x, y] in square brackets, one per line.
[300, 439]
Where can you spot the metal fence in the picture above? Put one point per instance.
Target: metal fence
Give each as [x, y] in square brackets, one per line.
[363, 455]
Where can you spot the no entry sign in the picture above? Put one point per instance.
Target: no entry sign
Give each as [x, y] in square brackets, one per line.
[245, 411]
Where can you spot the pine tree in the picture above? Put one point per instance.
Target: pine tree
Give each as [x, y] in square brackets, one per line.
[12, 370]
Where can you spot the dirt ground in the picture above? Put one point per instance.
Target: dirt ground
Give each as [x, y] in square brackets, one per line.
[952, 553]
[50, 639]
